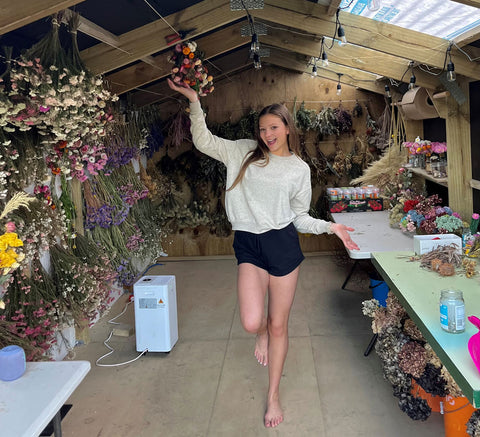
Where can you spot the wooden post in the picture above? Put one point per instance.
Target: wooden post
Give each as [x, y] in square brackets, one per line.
[459, 154]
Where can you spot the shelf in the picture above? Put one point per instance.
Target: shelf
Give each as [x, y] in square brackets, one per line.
[421, 172]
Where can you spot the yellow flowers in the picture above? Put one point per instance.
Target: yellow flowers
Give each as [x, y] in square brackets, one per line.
[9, 259]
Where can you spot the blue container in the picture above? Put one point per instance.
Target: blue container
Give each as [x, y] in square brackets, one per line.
[12, 363]
[380, 291]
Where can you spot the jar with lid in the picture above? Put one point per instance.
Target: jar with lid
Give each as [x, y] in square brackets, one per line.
[452, 311]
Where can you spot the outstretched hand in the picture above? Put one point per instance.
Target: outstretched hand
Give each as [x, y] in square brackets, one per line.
[342, 232]
[184, 89]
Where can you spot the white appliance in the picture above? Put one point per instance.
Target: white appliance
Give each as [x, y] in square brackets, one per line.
[156, 326]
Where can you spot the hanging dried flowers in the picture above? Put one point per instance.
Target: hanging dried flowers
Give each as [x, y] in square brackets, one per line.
[473, 424]
[190, 69]
[326, 122]
[304, 118]
[344, 120]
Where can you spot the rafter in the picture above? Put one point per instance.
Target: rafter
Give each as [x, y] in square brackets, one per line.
[140, 74]
[333, 6]
[311, 17]
[149, 39]
[349, 55]
[15, 14]
[474, 3]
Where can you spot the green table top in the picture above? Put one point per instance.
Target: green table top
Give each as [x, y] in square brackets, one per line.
[418, 290]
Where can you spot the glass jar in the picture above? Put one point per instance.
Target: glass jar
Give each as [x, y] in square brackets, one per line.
[452, 311]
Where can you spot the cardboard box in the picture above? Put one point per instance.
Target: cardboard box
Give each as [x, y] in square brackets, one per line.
[426, 243]
[355, 205]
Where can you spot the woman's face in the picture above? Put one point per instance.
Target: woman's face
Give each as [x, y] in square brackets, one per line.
[274, 133]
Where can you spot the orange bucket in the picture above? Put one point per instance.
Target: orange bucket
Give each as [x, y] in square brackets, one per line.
[432, 401]
[457, 412]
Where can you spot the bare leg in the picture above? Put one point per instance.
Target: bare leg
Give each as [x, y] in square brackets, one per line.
[252, 289]
[281, 294]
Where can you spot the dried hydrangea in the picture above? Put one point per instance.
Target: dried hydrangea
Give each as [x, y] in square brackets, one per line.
[416, 408]
[432, 381]
[412, 359]
[411, 329]
[383, 319]
[369, 307]
[473, 425]
[390, 343]
[451, 386]
[394, 306]
[432, 357]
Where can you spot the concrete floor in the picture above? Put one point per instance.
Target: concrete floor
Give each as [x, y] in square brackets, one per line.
[210, 383]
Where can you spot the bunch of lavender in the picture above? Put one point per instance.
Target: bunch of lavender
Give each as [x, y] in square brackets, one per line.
[412, 359]
[416, 408]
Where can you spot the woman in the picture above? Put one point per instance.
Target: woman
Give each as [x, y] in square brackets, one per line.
[267, 201]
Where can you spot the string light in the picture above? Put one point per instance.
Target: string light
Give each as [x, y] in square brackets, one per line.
[255, 45]
[314, 69]
[324, 59]
[339, 85]
[257, 63]
[387, 91]
[413, 79]
[342, 39]
[451, 76]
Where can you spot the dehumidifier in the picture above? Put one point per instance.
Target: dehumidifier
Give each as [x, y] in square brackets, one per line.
[156, 327]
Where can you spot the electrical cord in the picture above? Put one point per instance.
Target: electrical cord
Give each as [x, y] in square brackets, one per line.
[113, 350]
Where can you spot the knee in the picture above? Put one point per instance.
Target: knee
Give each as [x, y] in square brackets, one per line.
[251, 325]
[277, 328]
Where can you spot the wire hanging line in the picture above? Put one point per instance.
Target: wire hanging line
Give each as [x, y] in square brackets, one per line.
[161, 17]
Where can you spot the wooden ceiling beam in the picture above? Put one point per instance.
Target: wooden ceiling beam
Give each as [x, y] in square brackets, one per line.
[350, 77]
[15, 14]
[474, 3]
[149, 39]
[212, 45]
[333, 7]
[349, 55]
[387, 38]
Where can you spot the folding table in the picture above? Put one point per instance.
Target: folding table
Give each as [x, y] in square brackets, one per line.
[29, 403]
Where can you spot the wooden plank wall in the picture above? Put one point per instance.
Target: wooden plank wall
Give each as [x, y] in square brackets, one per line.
[252, 89]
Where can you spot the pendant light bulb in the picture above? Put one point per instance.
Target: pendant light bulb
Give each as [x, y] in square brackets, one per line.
[255, 45]
[257, 63]
[342, 39]
[339, 89]
[314, 70]
[324, 59]
[451, 76]
[374, 5]
[387, 91]
[411, 85]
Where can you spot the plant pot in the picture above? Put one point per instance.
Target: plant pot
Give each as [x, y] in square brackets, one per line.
[457, 412]
[432, 401]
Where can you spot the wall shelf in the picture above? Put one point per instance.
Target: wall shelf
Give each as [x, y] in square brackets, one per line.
[421, 172]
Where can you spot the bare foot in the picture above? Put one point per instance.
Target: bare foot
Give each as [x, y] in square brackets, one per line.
[274, 414]
[261, 348]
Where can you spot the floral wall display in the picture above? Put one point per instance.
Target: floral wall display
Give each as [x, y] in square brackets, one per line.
[76, 200]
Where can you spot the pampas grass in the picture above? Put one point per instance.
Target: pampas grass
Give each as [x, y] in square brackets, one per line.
[383, 172]
[19, 199]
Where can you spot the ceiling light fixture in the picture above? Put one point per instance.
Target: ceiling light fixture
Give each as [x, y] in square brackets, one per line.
[323, 53]
[339, 85]
[413, 79]
[314, 69]
[451, 76]
[342, 39]
[257, 63]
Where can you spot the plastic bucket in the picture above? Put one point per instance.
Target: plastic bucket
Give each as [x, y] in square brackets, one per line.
[432, 401]
[457, 412]
[380, 291]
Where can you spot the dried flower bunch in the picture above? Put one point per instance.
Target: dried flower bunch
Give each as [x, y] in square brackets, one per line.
[425, 147]
[189, 68]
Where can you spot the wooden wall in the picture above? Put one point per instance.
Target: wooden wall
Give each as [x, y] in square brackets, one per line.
[254, 89]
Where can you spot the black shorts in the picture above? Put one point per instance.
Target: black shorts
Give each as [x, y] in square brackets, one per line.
[277, 251]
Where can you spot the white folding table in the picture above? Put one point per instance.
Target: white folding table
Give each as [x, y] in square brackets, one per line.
[29, 403]
[373, 233]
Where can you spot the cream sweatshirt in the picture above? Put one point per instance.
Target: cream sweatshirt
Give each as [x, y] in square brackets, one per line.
[269, 196]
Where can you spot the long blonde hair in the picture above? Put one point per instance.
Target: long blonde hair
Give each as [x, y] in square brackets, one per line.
[260, 153]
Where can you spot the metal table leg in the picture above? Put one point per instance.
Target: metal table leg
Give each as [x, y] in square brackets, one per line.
[57, 424]
[370, 345]
[350, 274]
